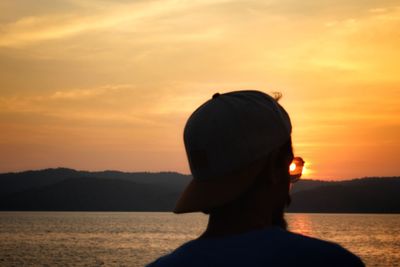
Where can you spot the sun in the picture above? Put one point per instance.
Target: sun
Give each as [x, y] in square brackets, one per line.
[292, 166]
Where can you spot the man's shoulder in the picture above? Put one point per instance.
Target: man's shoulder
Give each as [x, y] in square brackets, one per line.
[314, 251]
[271, 247]
[178, 257]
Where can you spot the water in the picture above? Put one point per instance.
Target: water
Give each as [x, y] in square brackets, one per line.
[135, 238]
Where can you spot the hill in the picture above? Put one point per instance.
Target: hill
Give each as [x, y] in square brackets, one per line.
[367, 195]
[92, 194]
[67, 189]
[21, 181]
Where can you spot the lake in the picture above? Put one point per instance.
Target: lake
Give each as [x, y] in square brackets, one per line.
[136, 238]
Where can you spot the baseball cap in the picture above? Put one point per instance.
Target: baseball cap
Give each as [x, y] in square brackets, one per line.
[227, 140]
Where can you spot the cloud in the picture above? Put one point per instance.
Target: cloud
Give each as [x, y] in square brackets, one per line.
[122, 104]
[28, 30]
[87, 93]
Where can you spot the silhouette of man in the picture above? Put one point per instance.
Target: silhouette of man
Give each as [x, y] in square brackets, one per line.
[239, 150]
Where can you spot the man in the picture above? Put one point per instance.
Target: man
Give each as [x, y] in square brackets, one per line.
[239, 150]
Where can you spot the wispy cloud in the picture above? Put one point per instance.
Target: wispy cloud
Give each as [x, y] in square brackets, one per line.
[86, 93]
[112, 104]
[28, 30]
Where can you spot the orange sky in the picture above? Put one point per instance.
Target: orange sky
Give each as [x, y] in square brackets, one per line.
[101, 84]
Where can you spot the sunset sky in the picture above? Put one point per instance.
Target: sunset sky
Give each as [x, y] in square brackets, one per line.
[101, 84]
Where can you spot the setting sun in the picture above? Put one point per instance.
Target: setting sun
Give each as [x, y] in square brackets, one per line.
[292, 166]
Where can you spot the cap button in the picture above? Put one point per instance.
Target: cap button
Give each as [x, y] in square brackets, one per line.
[215, 95]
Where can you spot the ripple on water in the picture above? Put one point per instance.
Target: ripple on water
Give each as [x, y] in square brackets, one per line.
[136, 238]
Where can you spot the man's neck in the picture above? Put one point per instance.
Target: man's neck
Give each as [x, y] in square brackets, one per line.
[230, 222]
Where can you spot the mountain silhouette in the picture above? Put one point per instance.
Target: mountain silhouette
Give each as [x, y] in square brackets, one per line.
[17, 182]
[65, 189]
[92, 194]
[368, 195]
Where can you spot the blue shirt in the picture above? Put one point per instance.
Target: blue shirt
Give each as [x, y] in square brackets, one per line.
[268, 247]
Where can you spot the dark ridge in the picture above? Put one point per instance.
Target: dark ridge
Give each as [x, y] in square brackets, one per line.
[21, 181]
[92, 194]
[368, 195]
[68, 189]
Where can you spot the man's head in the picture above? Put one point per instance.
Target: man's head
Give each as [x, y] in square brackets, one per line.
[236, 142]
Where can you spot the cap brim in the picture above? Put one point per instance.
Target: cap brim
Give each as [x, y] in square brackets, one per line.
[203, 195]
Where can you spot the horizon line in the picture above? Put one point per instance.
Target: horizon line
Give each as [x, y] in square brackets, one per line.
[185, 174]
